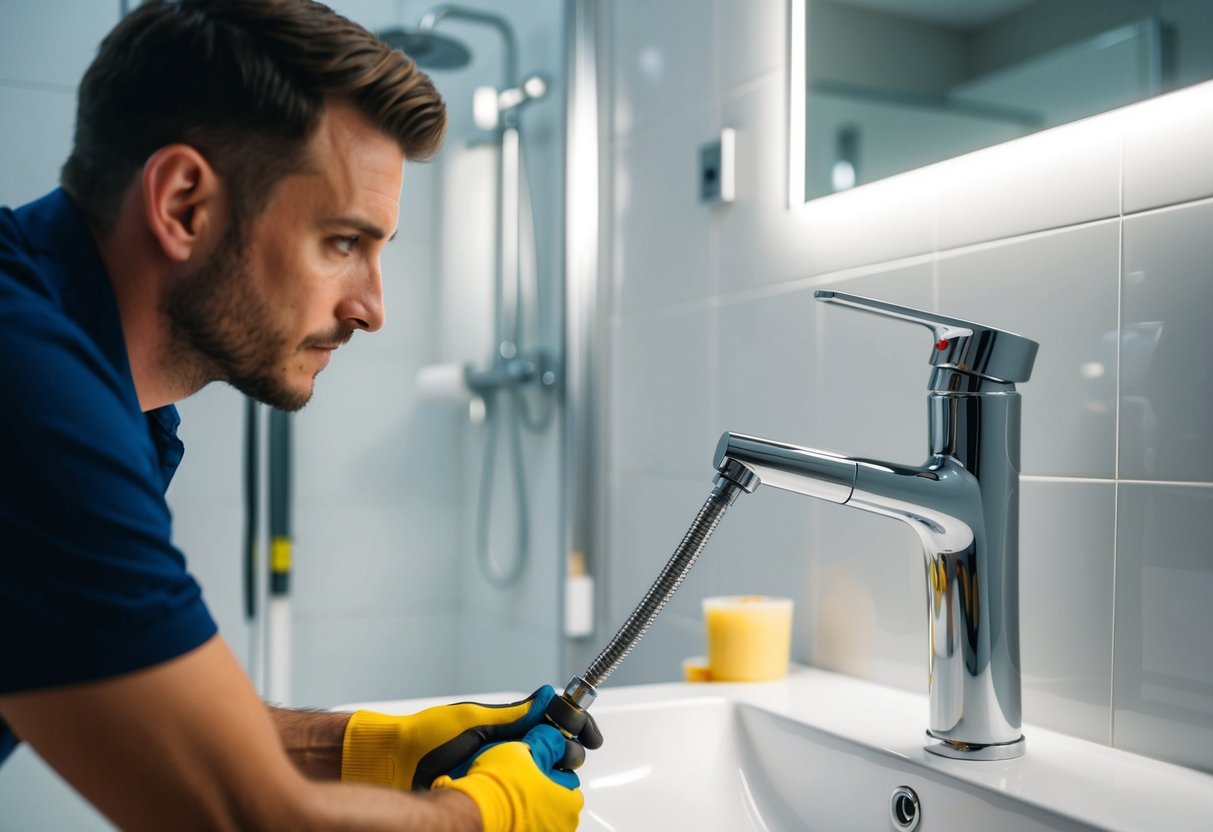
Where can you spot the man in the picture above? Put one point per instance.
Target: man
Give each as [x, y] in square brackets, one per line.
[236, 172]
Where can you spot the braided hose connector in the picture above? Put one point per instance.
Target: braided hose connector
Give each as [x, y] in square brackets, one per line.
[567, 710]
[667, 583]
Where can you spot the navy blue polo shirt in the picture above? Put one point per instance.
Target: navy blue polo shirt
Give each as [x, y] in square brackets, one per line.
[90, 583]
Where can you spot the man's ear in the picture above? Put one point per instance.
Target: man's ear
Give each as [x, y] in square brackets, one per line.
[184, 201]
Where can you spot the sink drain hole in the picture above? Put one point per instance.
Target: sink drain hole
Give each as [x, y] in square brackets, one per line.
[903, 809]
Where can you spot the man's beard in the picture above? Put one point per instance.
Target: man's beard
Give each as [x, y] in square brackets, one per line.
[222, 329]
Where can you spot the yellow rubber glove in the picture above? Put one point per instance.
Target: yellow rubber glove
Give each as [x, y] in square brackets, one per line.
[408, 752]
[518, 788]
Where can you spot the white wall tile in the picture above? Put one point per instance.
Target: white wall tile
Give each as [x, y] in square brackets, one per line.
[496, 655]
[654, 514]
[1167, 150]
[411, 286]
[662, 61]
[871, 397]
[1163, 695]
[212, 428]
[866, 613]
[373, 14]
[1166, 432]
[888, 220]
[663, 392]
[761, 242]
[1060, 290]
[210, 533]
[767, 365]
[371, 658]
[1065, 606]
[381, 557]
[36, 799]
[411, 279]
[207, 501]
[35, 141]
[662, 253]
[751, 40]
[52, 42]
[764, 546]
[627, 15]
[423, 182]
[364, 425]
[1052, 179]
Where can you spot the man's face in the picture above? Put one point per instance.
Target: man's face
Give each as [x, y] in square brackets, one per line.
[266, 311]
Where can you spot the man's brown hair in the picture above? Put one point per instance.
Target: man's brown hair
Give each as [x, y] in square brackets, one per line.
[245, 82]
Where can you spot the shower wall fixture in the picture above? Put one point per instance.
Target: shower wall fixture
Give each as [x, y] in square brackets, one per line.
[514, 366]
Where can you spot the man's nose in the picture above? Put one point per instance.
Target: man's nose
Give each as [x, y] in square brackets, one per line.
[362, 307]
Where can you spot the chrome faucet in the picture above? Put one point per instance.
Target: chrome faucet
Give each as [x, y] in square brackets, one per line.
[964, 504]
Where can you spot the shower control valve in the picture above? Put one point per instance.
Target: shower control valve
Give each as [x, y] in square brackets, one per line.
[489, 103]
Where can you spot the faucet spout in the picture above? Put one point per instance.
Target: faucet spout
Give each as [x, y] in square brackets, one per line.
[971, 575]
[934, 498]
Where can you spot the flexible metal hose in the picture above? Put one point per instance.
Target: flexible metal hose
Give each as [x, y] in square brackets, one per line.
[567, 711]
[667, 583]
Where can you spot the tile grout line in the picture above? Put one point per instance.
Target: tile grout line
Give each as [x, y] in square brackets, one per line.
[1112, 661]
[1120, 290]
[1182, 202]
[1114, 481]
[1120, 296]
[786, 287]
[933, 257]
[37, 86]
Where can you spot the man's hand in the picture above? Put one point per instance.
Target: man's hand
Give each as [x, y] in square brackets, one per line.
[410, 752]
[517, 786]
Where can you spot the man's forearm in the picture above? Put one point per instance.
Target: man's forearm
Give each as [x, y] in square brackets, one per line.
[313, 740]
[375, 809]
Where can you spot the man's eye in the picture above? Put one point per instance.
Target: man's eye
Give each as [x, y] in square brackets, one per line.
[346, 244]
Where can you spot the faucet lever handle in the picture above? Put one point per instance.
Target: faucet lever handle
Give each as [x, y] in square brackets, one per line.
[959, 345]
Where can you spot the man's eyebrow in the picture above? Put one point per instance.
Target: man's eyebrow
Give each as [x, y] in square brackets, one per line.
[367, 228]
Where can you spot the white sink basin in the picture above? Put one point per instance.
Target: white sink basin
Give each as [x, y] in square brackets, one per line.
[819, 751]
[825, 752]
[718, 764]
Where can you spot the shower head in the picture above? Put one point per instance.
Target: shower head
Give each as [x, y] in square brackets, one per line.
[428, 48]
[434, 51]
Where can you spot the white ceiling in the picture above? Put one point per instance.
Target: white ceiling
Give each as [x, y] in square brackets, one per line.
[958, 13]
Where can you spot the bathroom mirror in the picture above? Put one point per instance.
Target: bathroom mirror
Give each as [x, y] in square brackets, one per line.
[892, 85]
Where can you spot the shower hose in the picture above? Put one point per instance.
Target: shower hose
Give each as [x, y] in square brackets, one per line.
[519, 416]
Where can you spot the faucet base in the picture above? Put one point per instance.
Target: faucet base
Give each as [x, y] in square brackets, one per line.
[968, 751]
